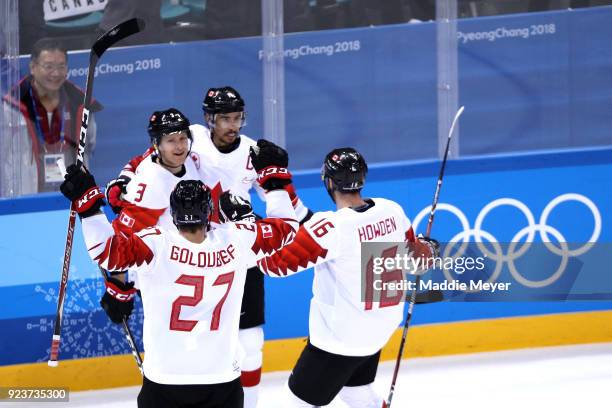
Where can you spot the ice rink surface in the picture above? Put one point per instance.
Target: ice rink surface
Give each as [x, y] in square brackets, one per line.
[566, 376]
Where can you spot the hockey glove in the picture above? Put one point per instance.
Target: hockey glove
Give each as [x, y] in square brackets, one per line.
[114, 189]
[233, 208]
[432, 244]
[423, 251]
[80, 187]
[118, 299]
[270, 161]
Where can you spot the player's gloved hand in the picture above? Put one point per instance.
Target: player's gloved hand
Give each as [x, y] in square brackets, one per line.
[114, 189]
[424, 249]
[432, 245]
[80, 188]
[118, 299]
[270, 161]
[233, 208]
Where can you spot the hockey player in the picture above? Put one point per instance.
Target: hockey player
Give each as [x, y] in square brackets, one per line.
[223, 154]
[146, 199]
[347, 332]
[191, 283]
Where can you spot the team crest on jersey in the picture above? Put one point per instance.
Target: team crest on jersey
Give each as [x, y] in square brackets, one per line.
[196, 160]
[126, 220]
[266, 231]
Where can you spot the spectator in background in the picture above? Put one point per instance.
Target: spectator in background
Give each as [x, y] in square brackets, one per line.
[49, 127]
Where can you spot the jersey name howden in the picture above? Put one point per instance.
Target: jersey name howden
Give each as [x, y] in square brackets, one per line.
[377, 229]
[202, 259]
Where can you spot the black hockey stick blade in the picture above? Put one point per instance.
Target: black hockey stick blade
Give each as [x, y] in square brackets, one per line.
[431, 296]
[116, 34]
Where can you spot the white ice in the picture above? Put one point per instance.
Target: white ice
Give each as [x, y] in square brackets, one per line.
[558, 377]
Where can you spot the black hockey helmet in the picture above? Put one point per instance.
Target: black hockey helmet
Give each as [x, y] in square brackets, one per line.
[344, 169]
[167, 121]
[222, 100]
[191, 203]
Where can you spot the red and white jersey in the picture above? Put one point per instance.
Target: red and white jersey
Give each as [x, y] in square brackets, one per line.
[341, 322]
[221, 172]
[192, 293]
[148, 195]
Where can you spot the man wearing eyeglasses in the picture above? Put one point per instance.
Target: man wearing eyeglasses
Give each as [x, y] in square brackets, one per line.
[49, 125]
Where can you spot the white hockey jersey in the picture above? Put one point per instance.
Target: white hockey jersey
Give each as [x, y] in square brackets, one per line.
[341, 322]
[192, 293]
[148, 195]
[221, 172]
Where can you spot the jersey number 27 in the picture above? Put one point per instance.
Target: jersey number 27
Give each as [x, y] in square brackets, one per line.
[176, 323]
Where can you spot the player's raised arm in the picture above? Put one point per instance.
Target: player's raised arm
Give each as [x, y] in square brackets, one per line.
[316, 242]
[278, 228]
[109, 250]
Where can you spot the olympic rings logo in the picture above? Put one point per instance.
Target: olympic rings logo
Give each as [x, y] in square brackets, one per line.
[517, 249]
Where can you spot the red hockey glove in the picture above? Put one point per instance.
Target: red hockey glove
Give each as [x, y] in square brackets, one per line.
[114, 189]
[426, 249]
[431, 247]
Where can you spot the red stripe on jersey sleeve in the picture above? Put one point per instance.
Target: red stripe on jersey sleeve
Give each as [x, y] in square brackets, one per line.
[122, 252]
[290, 189]
[215, 193]
[133, 218]
[298, 254]
[272, 234]
[409, 236]
[94, 247]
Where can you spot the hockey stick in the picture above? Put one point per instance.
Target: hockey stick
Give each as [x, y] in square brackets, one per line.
[128, 334]
[126, 329]
[103, 43]
[413, 295]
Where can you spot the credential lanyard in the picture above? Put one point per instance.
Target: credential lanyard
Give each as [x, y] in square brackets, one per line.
[39, 130]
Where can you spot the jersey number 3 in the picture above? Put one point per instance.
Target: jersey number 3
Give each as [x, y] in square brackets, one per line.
[176, 323]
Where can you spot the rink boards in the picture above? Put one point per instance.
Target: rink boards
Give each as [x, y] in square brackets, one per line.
[548, 75]
[93, 350]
